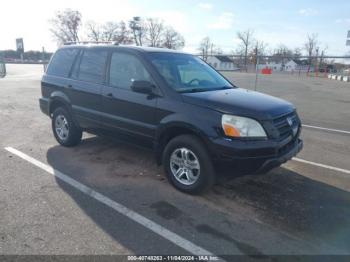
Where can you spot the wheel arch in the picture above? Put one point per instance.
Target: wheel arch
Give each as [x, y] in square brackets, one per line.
[172, 130]
[59, 99]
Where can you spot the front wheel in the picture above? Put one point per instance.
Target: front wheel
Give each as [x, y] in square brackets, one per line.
[188, 165]
[66, 132]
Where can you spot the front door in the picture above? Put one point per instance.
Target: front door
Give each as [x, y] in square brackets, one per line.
[123, 109]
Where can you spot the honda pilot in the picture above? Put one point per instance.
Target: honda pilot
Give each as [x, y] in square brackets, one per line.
[193, 118]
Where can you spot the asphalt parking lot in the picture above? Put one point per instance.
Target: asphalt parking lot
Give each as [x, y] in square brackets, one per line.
[105, 197]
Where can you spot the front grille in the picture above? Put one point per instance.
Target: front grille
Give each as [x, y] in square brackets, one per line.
[285, 125]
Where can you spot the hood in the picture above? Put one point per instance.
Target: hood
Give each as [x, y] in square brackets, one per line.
[239, 101]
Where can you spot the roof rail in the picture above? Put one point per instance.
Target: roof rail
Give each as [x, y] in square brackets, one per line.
[89, 42]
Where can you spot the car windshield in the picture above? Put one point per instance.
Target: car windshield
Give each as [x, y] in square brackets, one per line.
[187, 73]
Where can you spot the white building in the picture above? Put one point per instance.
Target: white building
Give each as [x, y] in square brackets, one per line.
[271, 65]
[222, 63]
[297, 65]
[293, 65]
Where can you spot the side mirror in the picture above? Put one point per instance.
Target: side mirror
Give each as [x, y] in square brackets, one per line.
[142, 86]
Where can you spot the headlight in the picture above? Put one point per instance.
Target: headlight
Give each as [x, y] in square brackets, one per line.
[237, 126]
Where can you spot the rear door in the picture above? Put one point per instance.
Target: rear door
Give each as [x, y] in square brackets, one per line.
[88, 77]
[124, 110]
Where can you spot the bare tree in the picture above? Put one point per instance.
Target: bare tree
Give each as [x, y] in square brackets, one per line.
[261, 47]
[172, 39]
[297, 53]
[123, 36]
[246, 38]
[206, 48]
[154, 31]
[311, 45]
[218, 51]
[66, 25]
[94, 31]
[110, 31]
[282, 54]
[105, 32]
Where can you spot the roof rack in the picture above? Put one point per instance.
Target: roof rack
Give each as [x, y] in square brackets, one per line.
[90, 42]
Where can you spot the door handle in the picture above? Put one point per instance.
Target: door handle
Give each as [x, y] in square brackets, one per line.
[109, 95]
[69, 86]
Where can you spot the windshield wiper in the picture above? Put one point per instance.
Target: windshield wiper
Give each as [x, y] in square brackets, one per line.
[224, 87]
[193, 90]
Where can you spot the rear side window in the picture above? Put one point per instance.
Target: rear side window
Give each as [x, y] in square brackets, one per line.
[92, 66]
[61, 62]
[126, 68]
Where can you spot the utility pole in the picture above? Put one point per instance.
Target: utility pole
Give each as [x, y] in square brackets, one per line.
[2, 66]
[20, 47]
[256, 70]
[43, 58]
[316, 62]
[135, 25]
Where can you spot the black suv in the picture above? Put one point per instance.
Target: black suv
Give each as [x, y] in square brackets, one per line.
[195, 120]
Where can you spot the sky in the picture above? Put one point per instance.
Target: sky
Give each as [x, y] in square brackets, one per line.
[274, 22]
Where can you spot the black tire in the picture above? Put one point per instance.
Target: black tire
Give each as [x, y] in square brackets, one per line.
[206, 176]
[74, 132]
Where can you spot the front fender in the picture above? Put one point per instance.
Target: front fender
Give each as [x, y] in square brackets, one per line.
[202, 125]
[182, 124]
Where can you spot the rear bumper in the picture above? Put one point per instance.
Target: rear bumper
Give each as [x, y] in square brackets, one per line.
[44, 105]
[254, 156]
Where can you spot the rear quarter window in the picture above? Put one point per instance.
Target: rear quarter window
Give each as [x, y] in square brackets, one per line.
[62, 62]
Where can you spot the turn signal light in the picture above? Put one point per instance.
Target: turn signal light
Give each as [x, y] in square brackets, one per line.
[231, 131]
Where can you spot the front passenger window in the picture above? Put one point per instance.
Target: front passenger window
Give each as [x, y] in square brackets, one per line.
[126, 68]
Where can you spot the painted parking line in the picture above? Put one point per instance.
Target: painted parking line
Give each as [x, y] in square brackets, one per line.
[328, 129]
[322, 165]
[147, 223]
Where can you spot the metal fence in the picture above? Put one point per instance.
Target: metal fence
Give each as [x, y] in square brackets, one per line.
[332, 67]
[312, 66]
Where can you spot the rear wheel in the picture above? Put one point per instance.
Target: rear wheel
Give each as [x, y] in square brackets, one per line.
[66, 132]
[188, 165]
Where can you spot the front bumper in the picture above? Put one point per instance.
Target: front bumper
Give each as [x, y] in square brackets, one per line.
[254, 156]
[277, 161]
[44, 105]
